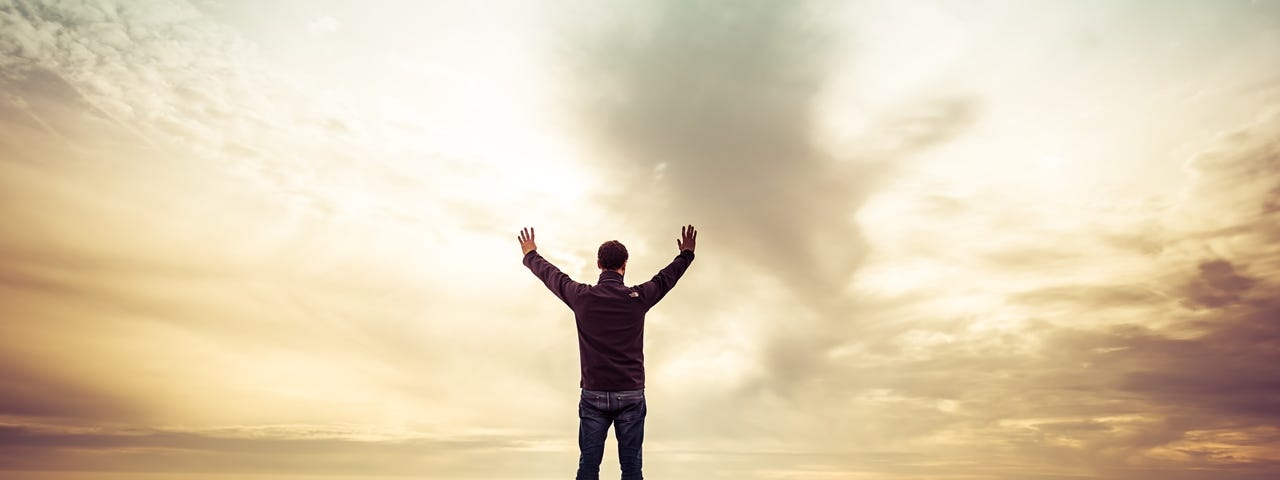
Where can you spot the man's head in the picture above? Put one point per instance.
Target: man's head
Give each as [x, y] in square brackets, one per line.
[611, 256]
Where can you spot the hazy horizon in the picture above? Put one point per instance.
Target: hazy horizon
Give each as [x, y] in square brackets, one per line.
[938, 239]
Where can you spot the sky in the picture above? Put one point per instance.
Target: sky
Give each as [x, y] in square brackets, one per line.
[938, 239]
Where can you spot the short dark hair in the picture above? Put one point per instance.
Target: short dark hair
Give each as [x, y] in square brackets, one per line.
[612, 255]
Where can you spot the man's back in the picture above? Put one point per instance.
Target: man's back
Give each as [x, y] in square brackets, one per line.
[610, 319]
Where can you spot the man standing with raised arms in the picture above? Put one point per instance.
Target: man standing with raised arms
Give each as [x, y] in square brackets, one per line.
[610, 318]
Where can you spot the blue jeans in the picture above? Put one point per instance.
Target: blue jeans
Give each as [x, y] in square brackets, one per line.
[596, 410]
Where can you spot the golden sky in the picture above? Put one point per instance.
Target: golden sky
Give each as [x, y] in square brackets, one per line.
[978, 240]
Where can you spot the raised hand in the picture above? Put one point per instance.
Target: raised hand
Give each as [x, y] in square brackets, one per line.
[526, 240]
[688, 238]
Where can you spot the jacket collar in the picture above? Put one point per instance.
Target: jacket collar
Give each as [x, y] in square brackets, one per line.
[609, 276]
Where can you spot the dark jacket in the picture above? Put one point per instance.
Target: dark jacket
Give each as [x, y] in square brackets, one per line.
[610, 317]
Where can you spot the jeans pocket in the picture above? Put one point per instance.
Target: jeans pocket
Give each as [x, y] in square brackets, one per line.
[597, 401]
[631, 403]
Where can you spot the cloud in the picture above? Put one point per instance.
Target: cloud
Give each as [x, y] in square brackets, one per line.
[193, 87]
[138, 224]
[708, 112]
[1217, 285]
[39, 392]
[721, 99]
[1193, 389]
[292, 449]
[1078, 356]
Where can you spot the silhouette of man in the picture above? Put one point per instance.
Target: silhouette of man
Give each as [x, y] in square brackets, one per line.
[610, 318]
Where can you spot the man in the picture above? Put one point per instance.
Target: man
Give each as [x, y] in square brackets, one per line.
[610, 318]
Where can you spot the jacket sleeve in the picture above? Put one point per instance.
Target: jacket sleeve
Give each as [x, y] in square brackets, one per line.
[653, 290]
[560, 284]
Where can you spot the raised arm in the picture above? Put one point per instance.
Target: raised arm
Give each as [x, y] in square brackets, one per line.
[560, 284]
[653, 290]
